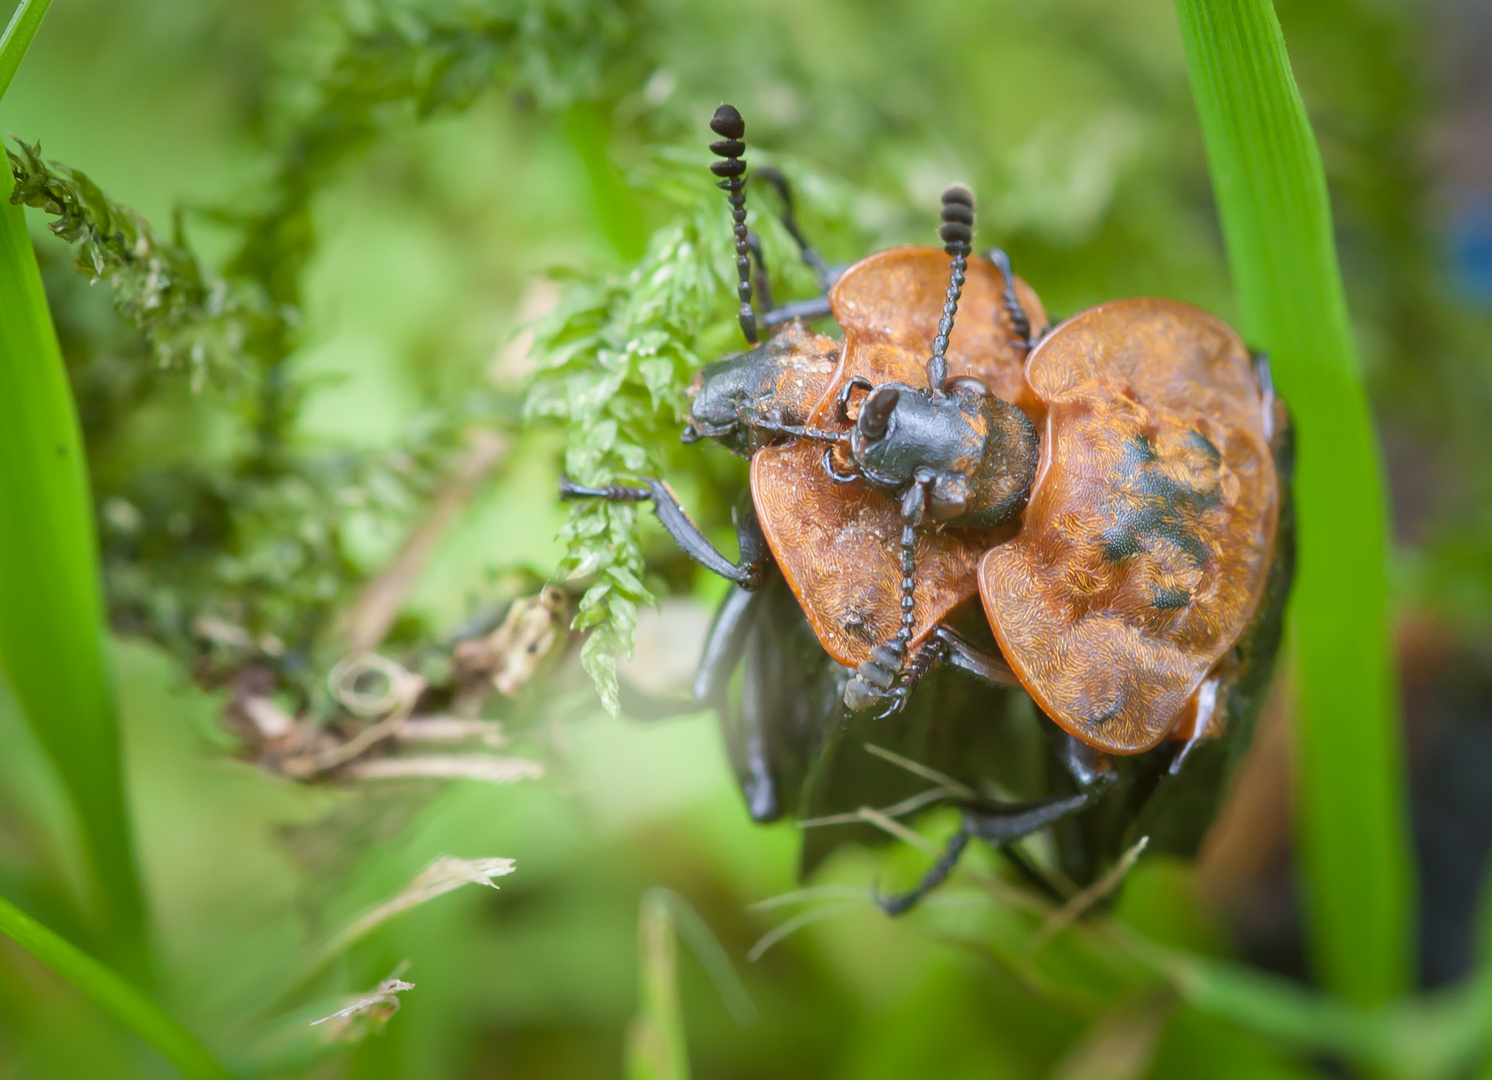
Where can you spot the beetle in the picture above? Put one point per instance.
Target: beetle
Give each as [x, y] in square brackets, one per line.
[761, 400]
[1106, 488]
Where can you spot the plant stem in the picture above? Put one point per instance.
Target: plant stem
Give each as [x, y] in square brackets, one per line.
[1276, 218]
[110, 991]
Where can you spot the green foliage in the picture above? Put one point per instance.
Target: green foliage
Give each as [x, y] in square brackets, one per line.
[616, 358]
[257, 540]
[188, 316]
[1277, 220]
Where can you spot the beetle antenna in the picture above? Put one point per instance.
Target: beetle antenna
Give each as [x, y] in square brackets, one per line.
[731, 169]
[957, 233]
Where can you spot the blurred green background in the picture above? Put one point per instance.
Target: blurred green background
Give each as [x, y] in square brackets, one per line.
[432, 239]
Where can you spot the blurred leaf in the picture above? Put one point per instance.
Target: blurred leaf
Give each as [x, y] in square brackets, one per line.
[711, 955]
[1272, 199]
[1121, 1043]
[51, 614]
[112, 993]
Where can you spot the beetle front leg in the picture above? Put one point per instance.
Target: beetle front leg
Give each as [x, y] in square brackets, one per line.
[748, 573]
[1020, 322]
[818, 307]
[811, 258]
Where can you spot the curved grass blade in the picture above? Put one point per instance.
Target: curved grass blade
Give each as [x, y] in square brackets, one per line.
[112, 993]
[17, 38]
[52, 643]
[1276, 217]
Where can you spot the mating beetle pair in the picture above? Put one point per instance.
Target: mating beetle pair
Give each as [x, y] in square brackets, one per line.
[1114, 491]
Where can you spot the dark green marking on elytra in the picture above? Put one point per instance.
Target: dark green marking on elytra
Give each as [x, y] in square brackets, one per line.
[1204, 444]
[1119, 543]
[1170, 599]
[1153, 504]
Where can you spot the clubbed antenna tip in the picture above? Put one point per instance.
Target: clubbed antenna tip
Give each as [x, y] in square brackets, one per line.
[957, 234]
[957, 229]
[727, 122]
[731, 169]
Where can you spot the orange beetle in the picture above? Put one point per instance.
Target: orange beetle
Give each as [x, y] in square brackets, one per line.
[1111, 495]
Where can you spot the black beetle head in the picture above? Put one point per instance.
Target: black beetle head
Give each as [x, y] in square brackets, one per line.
[740, 400]
[976, 453]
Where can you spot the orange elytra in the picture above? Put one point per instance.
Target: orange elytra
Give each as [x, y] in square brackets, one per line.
[1150, 529]
[838, 544]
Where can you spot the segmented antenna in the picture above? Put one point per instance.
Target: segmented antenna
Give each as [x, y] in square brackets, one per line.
[957, 233]
[727, 123]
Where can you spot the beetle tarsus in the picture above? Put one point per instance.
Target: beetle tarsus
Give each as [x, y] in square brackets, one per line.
[569, 489]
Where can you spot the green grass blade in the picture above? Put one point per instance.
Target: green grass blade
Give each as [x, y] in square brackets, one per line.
[17, 38]
[111, 992]
[52, 643]
[656, 1049]
[1276, 218]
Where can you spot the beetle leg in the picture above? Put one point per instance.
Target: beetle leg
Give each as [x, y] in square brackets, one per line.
[812, 258]
[724, 645]
[747, 573]
[1020, 322]
[842, 399]
[808, 310]
[991, 667]
[1092, 769]
[763, 285]
[818, 307]
[834, 474]
[905, 902]
[924, 658]
[999, 824]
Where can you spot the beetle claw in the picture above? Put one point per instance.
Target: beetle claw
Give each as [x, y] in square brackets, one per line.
[897, 701]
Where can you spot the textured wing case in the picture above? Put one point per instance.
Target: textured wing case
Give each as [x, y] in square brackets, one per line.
[839, 544]
[1148, 538]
